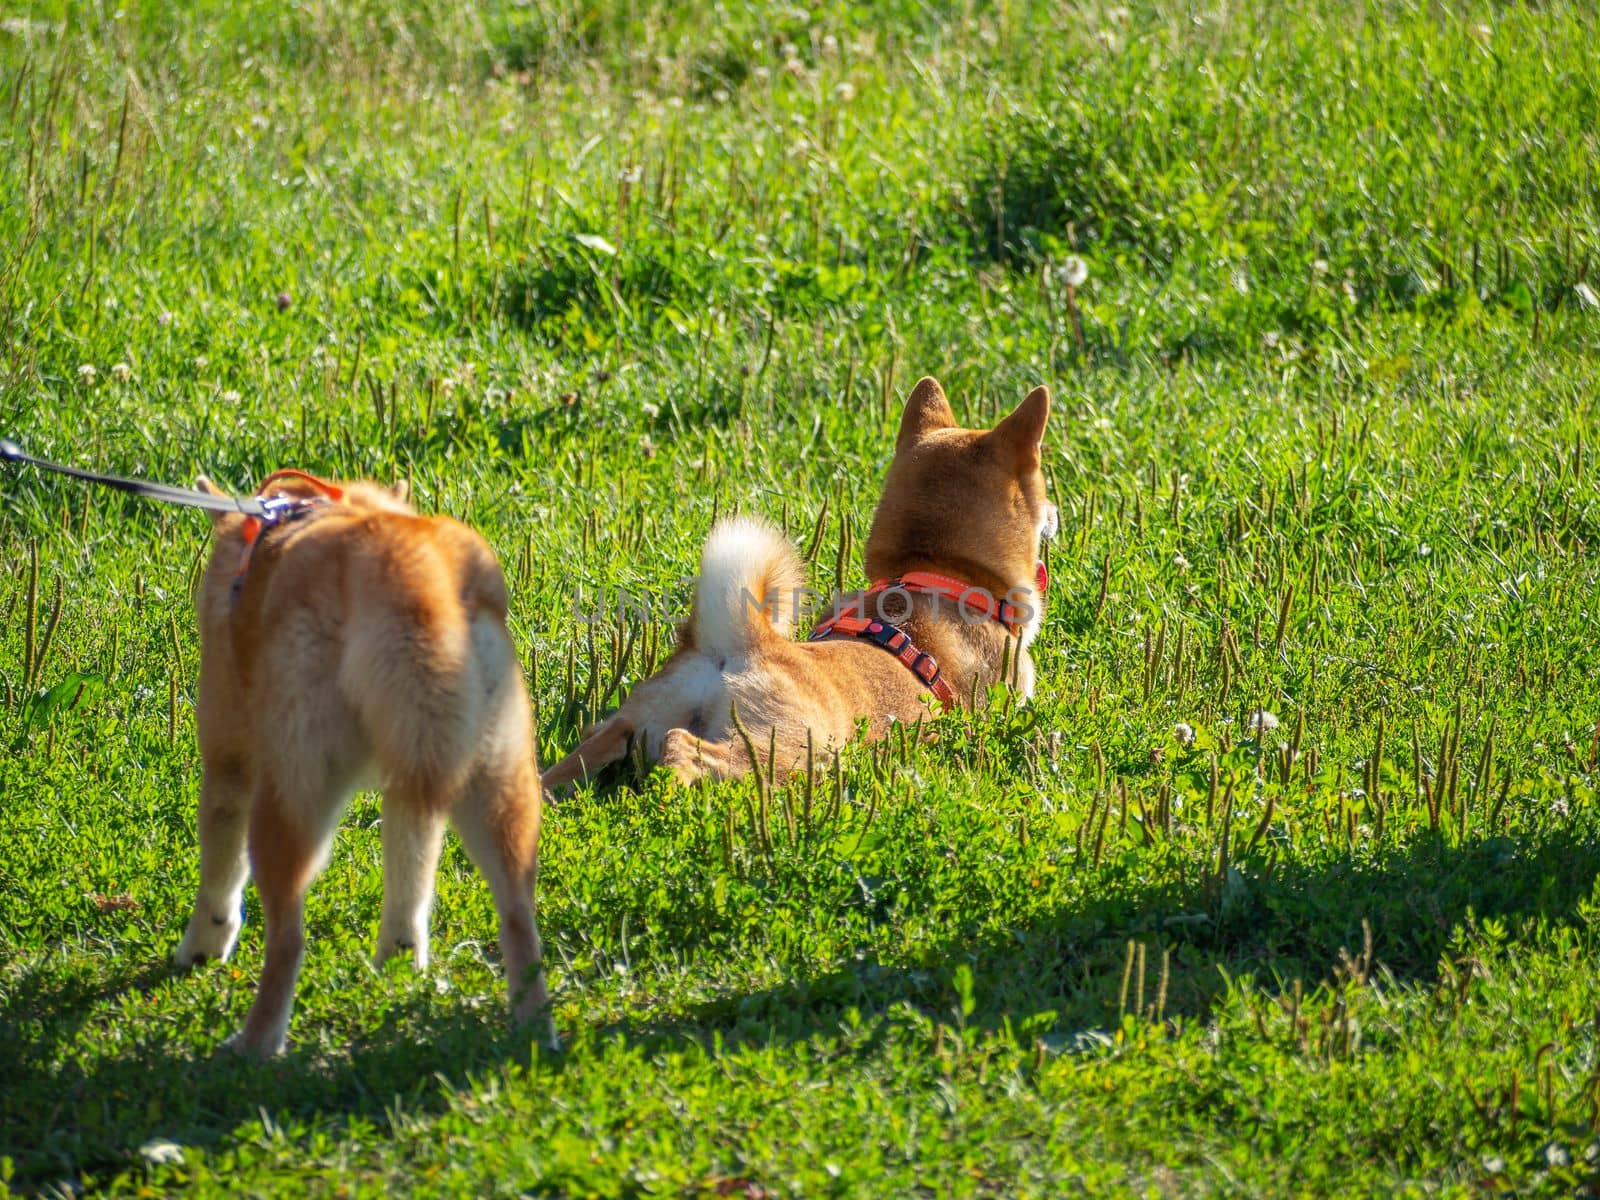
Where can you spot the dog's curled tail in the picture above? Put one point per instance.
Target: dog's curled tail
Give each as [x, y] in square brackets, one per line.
[750, 587]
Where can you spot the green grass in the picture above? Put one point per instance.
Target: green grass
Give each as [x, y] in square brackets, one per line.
[588, 275]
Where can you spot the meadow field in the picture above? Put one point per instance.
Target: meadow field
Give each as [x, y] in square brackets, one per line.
[1316, 288]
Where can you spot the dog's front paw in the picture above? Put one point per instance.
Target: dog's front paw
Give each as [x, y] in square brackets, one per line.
[208, 936]
[259, 1047]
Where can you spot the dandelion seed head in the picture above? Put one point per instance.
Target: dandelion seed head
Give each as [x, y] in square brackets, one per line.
[1261, 721]
[1073, 271]
[1184, 732]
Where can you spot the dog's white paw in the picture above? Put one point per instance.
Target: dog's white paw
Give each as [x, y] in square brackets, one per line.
[268, 1045]
[208, 937]
[392, 945]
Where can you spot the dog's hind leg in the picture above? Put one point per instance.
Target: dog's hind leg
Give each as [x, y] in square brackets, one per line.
[224, 816]
[498, 823]
[692, 758]
[284, 858]
[605, 745]
[413, 831]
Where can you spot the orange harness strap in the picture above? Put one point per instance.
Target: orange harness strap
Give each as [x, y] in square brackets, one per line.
[897, 642]
[282, 507]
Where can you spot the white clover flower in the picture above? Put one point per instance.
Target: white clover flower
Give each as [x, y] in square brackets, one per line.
[761, 74]
[846, 92]
[1073, 271]
[793, 66]
[120, 371]
[1117, 16]
[830, 44]
[1319, 266]
[260, 121]
[720, 95]
[1179, 561]
[1261, 721]
[87, 372]
[201, 362]
[163, 318]
[651, 410]
[231, 396]
[789, 50]
[1184, 732]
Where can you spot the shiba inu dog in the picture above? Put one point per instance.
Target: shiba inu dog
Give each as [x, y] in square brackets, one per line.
[348, 643]
[957, 598]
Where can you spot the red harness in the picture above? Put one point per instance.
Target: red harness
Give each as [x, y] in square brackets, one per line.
[284, 507]
[969, 600]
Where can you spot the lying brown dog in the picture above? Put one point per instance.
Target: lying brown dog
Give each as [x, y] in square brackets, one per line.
[954, 548]
[352, 642]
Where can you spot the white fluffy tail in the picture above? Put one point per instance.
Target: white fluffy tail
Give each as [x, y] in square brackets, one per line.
[750, 587]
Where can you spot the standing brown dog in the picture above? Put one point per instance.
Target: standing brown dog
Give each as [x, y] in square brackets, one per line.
[958, 598]
[348, 644]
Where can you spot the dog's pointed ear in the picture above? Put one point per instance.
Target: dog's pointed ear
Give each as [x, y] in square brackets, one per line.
[1023, 430]
[205, 485]
[926, 410]
[401, 491]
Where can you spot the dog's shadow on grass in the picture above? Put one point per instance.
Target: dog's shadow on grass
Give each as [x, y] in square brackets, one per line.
[64, 1114]
[1280, 926]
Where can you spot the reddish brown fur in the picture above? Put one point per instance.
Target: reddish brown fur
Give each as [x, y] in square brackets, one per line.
[963, 503]
[364, 643]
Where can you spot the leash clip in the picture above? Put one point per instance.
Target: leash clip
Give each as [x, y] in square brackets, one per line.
[276, 508]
